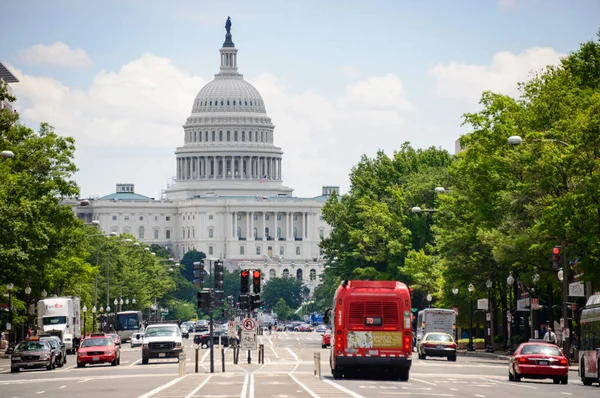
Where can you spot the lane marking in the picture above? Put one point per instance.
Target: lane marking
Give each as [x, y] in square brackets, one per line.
[160, 388]
[480, 396]
[347, 391]
[205, 355]
[62, 386]
[423, 381]
[106, 377]
[429, 394]
[244, 386]
[40, 392]
[251, 386]
[308, 390]
[84, 380]
[274, 353]
[292, 352]
[295, 367]
[195, 390]
[566, 393]
[518, 385]
[135, 362]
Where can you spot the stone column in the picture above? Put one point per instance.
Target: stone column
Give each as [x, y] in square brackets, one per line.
[289, 226]
[235, 224]
[276, 237]
[305, 225]
[263, 225]
[251, 225]
[247, 225]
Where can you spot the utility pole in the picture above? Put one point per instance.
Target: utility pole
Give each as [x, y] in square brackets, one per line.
[210, 314]
[565, 300]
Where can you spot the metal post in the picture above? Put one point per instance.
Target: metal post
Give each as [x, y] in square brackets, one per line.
[196, 359]
[222, 359]
[182, 364]
[210, 311]
[470, 348]
[317, 364]
[565, 298]
[10, 316]
[490, 347]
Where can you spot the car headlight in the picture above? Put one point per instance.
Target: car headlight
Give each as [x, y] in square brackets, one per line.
[109, 352]
[145, 345]
[16, 358]
[44, 357]
[178, 344]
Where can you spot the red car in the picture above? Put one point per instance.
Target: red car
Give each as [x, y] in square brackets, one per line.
[116, 338]
[98, 348]
[326, 340]
[539, 360]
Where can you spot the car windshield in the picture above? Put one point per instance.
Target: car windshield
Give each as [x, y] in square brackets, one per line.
[161, 331]
[54, 320]
[31, 346]
[97, 342]
[439, 337]
[52, 342]
[541, 350]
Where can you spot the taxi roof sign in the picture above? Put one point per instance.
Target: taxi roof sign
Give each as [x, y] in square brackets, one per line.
[97, 335]
[33, 338]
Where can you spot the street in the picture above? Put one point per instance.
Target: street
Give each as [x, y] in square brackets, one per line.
[287, 372]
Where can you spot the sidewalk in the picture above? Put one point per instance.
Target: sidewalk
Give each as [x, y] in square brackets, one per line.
[499, 355]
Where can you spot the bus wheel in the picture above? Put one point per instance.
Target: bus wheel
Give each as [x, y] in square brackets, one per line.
[402, 374]
[337, 374]
[585, 380]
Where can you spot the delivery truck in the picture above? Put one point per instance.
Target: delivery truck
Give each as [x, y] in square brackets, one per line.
[61, 316]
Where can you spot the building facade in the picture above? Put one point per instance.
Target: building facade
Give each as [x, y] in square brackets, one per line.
[228, 198]
[7, 76]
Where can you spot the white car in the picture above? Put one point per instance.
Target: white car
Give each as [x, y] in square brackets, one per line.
[162, 340]
[137, 339]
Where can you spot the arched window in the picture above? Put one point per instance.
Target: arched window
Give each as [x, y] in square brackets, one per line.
[239, 232]
[220, 136]
[249, 136]
[227, 102]
[141, 232]
[213, 136]
[229, 136]
[313, 274]
[234, 102]
[299, 274]
[286, 273]
[235, 136]
[272, 273]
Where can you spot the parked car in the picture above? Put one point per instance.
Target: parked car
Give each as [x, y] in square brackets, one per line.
[185, 331]
[116, 338]
[219, 336]
[98, 348]
[58, 347]
[137, 339]
[326, 340]
[201, 325]
[437, 344]
[539, 360]
[32, 353]
[321, 328]
[304, 327]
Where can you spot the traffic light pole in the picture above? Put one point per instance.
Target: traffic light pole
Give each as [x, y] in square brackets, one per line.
[210, 314]
[565, 300]
[249, 316]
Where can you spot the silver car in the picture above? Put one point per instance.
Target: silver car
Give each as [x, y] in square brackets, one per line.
[137, 339]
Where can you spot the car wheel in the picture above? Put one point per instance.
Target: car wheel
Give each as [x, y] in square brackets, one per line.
[81, 365]
[144, 361]
[114, 362]
[14, 370]
[510, 376]
[323, 346]
[337, 374]
[65, 360]
[516, 376]
[452, 358]
[556, 380]
[565, 379]
[403, 374]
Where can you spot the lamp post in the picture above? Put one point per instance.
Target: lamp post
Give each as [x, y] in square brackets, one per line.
[94, 320]
[84, 310]
[126, 303]
[534, 333]
[27, 293]
[116, 303]
[489, 319]
[108, 317]
[101, 318]
[9, 327]
[471, 288]
[429, 298]
[455, 292]
[510, 281]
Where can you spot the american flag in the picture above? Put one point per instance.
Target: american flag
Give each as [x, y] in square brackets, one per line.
[263, 179]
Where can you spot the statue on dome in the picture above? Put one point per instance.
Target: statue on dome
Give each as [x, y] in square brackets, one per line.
[228, 25]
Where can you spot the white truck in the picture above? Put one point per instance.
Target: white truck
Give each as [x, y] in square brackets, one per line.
[61, 316]
[436, 320]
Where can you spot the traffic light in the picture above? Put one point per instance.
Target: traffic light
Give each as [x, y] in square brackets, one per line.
[556, 257]
[245, 282]
[255, 301]
[256, 281]
[203, 299]
[243, 301]
[219, 296]
[199, 274]
[219, 275]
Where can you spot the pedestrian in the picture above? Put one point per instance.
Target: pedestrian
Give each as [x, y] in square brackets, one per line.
[550, 336]
[270, 328]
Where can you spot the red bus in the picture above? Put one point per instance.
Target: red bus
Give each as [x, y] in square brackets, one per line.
[371, 328]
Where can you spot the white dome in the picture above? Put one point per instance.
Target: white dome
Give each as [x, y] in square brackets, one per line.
[228, 94]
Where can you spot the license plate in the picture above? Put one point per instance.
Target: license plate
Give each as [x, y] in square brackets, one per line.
[95, 358]
[373, 352]
[543, 363]
[441, 346]
[162, 354]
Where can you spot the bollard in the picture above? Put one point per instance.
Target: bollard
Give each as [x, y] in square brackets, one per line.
[223, 359]
[317, 361]
[196, 360]
[182, 364]
[262, 348]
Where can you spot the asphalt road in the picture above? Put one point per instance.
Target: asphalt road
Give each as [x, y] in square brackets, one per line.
[287, 372]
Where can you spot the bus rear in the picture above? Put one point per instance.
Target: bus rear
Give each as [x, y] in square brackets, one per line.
[371, 328]
[589, 343]
[128, 323]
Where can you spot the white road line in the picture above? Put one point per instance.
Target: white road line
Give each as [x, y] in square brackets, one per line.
[195, 390]
[292, 352]
[244, 386]
[205, 355]
[345, 390]
[274, 353]
[84, 380]
[135, 362]
[71, 379]
[480, 396]
[70, 367]
[430, 394]
[40, 392]
[308, 390]
[566, 393]
[296, 367]
[423, 381]
[251, 387]
[454, 389]
[160, 388]
[491, 381]
[519, 385]
[239, 367]
[62, 386]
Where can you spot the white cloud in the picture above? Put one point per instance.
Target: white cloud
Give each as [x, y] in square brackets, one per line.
[466, 82]
[127, 124]
[507, 4]
[55, 54]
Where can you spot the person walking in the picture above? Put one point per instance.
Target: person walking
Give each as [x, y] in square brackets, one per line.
[550, 336]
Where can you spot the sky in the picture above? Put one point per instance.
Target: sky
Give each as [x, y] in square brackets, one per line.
[340, 79]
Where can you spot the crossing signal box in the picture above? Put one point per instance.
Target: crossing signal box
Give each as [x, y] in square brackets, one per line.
[203, 299]
[556, 257]
[219, 298]
[255, 302]
[199, 274]
[245, 282]
[219, 275]
[256, 281]
[244, 301]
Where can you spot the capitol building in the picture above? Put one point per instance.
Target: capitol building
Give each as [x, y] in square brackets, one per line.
[228, 199]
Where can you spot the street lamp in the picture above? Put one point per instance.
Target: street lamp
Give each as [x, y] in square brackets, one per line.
[84, 309]
[94, 320]
[455, 292]
[417, 209]
[535, 279]
[471, 288]
[121, 305]
[9, 327]
[429, 298]
[490, 346]
[126, 302]
[7, 154]
[44, 293]
[27, 293]
[510, 282]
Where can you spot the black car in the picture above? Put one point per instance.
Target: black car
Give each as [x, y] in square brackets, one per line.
[219, 336]
[58, 347]
[33, 353]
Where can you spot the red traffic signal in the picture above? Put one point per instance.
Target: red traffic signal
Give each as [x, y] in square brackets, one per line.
[245, 281]
[556, 250]
[245, 274]
[256, 281]
[256, 274]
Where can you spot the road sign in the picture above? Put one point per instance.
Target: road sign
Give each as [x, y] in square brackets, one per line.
[482, 304]
[577, 289]
[535, 303]
[248, 340]
[231, 332]
[249, 324]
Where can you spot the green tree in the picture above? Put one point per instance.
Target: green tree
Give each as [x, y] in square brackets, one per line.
[282, 310]
[188, 260]
[288, 289]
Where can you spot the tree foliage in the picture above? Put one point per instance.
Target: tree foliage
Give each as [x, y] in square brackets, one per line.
[288, 289]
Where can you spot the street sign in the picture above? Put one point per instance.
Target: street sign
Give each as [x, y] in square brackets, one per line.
[523, 304]
[248, 340]
[231, 332]
[249, 324]
[577, 289]
[488, 317]
[482, 304]
[535, 303]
